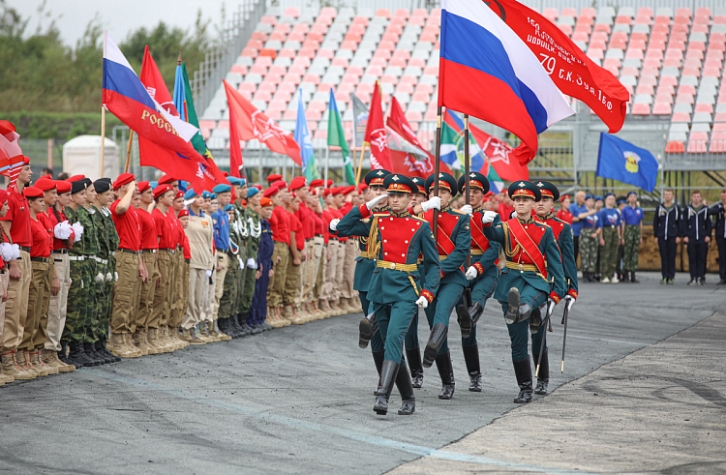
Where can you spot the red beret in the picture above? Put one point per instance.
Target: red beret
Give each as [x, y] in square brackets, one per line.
[259, 187]
[33, 192]
[76, 178]
[62, 187]
[45, 184]
[273, 178]
[179, 194]
[564, 197]
[297, 183]
[270, 192]
[123, 179]
[183, 213]
[161, 189]
[362, 187]
[264, 202]
[326, 192]
[317, 182]
[329, 183]
[3, 196]
[166, 180]
[143, 186]
[280, 184]
[338, 190]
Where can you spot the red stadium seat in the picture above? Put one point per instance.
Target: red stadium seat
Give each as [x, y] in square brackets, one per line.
[681, 117]
[269, 19]
[640, 109]
[414, 116]
[383, 12]
[239, 69]
[292, 12]
[675, 146]
[662, 108]
[312, 79]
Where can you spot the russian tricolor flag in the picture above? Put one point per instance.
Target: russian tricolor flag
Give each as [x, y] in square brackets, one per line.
[488, 72]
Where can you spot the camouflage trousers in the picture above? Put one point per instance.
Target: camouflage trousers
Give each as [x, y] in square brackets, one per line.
[632, 247]
[78, 302]
[609, 252]
[588, 252]
[229, 300]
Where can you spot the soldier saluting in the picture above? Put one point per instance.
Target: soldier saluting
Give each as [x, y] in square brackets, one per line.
[397, 239]
[532, 259]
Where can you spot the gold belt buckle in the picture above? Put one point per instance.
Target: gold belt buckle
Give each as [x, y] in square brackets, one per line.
[521, 268]
[393, 265]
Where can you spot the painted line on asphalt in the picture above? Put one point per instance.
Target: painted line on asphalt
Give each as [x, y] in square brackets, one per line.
[414, 449]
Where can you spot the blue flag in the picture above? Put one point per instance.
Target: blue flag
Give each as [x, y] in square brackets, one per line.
[302, 137]
[180, 94]
[623, 161]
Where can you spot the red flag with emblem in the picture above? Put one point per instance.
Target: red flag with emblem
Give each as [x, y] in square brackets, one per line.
[375, 135]
[500, 155]
[246, 122]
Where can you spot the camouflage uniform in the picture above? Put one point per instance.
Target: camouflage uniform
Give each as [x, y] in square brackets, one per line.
[244, 232]
[228, 302]
[253, 244]
[632, 248]
[91, 248]
[588, 253]
[78, 300]
[108, 241]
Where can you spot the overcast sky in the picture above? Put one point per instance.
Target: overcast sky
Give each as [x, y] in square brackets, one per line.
[120, 16]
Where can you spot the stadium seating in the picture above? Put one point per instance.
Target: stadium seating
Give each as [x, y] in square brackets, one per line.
[670, 61]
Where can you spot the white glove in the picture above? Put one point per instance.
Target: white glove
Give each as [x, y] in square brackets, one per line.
[109, 277]
[9, 251]
[569, 301]
[241, 264]
[208, 274]
[422, 302]
[471, 273]
[488, 217]
[466, 209]
[100, 278]
[78, 229]
[115, 276]
[372, 203]
[434, 202]
[251, 263]
[62, 230]
[334, 225]
[551, 307]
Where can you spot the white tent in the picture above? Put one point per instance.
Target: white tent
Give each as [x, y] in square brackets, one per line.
[82, 155]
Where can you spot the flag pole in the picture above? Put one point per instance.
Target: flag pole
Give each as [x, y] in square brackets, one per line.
[436, 170]
[467, 194]
[103, 139]
[360, 163]
[327, 161]
[128, 150]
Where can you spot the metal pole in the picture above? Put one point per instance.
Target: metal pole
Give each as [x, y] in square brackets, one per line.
[327, 162]
[467, 194]
[437, 167]
[103, 134]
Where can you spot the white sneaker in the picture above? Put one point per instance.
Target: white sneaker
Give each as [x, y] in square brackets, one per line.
[605, 281]
[615, 280]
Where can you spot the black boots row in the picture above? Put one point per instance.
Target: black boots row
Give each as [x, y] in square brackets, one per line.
[236, 326]
[390, 372]
[87, 354]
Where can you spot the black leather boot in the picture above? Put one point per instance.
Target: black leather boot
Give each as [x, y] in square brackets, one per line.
[512, 315]
[378, 361]
[389, 371]
[633, 279]
[254, 329]
[535, 321]
[408, 401]
[90, 350]
[414, 362]
[242, 324]
[366, 328]
[523, 371]
[436, 339]
[468, 317]
[471, 357]
[63, 356]
[226, 326]
[446, 371]
[238, 330]
[543, 378]
[102, 350]
[76, 354]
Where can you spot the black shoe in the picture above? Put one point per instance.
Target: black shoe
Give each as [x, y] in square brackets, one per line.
[535, 321]
[76, 354]
[468, 317]
[266, 326]
[246, 330]
[543, 378]
[92, 352]
[366, 328]
[103, 351]
[436, 339]
[256, 329]
[446, 371]
[702, 281]
[63, 356]
[523, 371]
[389, 372]
[378, 361]
[471, 358]
[403, 383]
[239, 329]
[633, 279]
[224, 326]
[512, 315]
[413, 357]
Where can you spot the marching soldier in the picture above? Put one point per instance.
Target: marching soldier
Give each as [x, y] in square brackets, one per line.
[532, 259]
[453, 240]
[667, 231]
[482, 274]
[696, 232]
[719, 211]
[563, 236]
[397, 240]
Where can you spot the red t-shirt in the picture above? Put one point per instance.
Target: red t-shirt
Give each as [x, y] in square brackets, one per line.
[296, 227]
[337, 214]
[165, 230]
[41, 231]
[187, 248]
[303, 214]
[565, 216]
[280, 225]
[127, 227]
[505, 212]
[148, 230]
[318, 224]
[19, 215]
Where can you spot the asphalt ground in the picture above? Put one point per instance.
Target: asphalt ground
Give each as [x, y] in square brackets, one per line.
[299, 399]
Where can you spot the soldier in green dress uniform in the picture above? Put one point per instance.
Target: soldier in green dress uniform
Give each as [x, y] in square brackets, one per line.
[532, 262]
[397, 239]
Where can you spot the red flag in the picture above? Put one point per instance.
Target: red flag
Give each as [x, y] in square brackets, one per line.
[11, 156]
[407, 163]
[569, 67]
[246, 122]
[501, 156]
[183, 161]
[375, 135]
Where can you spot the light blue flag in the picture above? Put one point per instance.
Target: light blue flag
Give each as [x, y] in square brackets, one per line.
[180, 94]
[302, 137]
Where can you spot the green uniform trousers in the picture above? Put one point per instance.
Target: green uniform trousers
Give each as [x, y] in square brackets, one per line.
[588, 252]
[632, 248]
[74, 330]
[609, 252]
[228, 301]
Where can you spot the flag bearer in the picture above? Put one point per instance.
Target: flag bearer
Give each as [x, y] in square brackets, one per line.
[397, 240]
[532, 259]
[453, 240]
[482, 274]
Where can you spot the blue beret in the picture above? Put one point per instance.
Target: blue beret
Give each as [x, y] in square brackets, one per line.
[252, 192]
[213, 196]
[206, 195]
[222, 189]
[153, 184]
[237, 181]
[598, 198]
[589, 196]
[190, 194]
[229, 207]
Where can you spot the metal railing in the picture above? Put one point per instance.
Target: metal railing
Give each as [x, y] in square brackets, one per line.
[208, 78]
